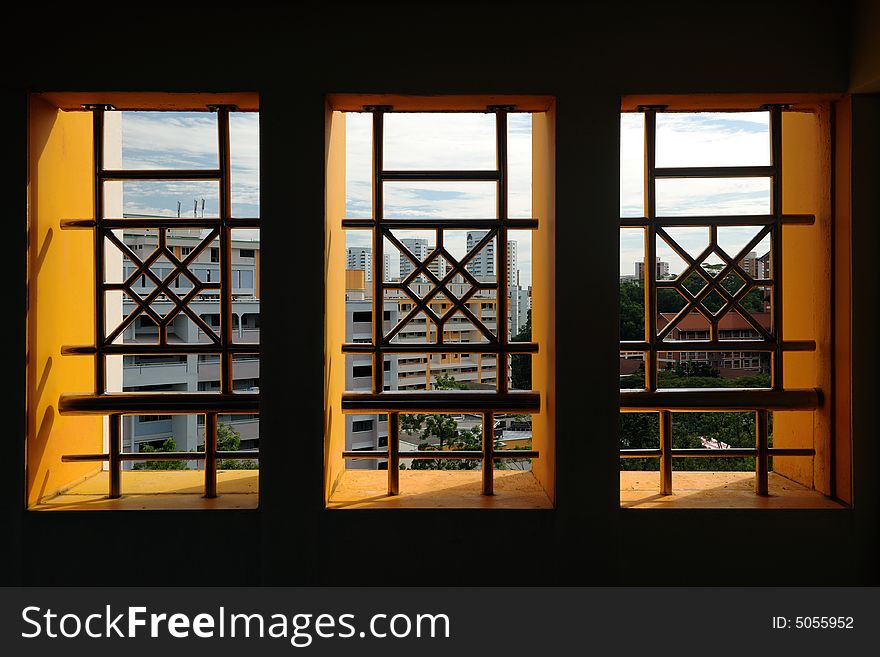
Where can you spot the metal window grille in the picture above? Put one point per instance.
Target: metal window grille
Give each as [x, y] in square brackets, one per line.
[488, 403]
[115, 405]
[760, 401]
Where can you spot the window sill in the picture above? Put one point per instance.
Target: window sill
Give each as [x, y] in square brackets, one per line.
[438, 489]
[160, 490]
[640, 489]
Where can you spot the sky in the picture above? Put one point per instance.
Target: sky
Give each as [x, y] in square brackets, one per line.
[694, 139]
[440, 141]
[188, 140]
[465, 141]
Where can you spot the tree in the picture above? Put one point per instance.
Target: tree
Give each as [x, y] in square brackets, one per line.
[521, 364]
[448, 382]
[229, 440]
[445, 429]
[632, 311]
[737, 429]
[689, 368]
[168, 446]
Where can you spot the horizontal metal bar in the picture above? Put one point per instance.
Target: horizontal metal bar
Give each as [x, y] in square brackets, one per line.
[161, 456]
[720, 400]
[715, 172]
[723, 220]
[158, 403]
[446, 347]
[443, 454]
[732, 452]
[429, 223]
[451, 175]
[160, 174]
[158, 222]
[133, 349]
[441, 401]
[722, 345]
[640, 453]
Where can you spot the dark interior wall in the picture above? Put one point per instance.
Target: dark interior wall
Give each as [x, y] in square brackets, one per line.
[586, 58]
[865, 63]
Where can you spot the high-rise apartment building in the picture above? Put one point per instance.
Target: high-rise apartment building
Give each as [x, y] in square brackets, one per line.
[419, 248]
[361, 257]
[190, 372]
[481, 265]
[662, 269]
[437, 266]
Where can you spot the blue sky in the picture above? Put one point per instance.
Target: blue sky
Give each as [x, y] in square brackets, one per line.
[438, 141]
[188, 140]
[694, 139]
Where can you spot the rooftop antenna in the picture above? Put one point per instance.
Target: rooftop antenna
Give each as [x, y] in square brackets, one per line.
[178, 209]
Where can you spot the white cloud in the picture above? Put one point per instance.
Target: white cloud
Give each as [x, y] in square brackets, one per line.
[695, 139]
[189, 140]
[440, 141]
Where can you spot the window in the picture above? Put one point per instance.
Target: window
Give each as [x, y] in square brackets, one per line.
[702, 200]
[141, 191]
[362, 425]
[246, 253]
[359, 371]
[431, 279]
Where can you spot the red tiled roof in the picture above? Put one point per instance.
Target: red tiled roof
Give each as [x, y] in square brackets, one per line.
[732, 321]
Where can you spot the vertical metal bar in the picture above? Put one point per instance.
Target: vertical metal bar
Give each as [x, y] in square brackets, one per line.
[210, 455]
[776, 258]
[394, 453]
[226, 374]
[378, 255]
[488, 453]
[762, 440]
[114, 448]
[98, 160]
[501, 249]
[713, 324]
[665, 452]
[441, 327]
[650, 268]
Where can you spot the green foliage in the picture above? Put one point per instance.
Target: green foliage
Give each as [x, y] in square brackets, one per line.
[512, 464]
[632, 311]
[412, 421]
[695, 368]
[672, 379]
[521, 364]
[451, 439]
[448, 382]
[229, 440]
[168, 446]
[445, 429]
[640, 431]
[632, 301]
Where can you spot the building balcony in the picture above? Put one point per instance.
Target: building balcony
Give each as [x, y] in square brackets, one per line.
[156, 374]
